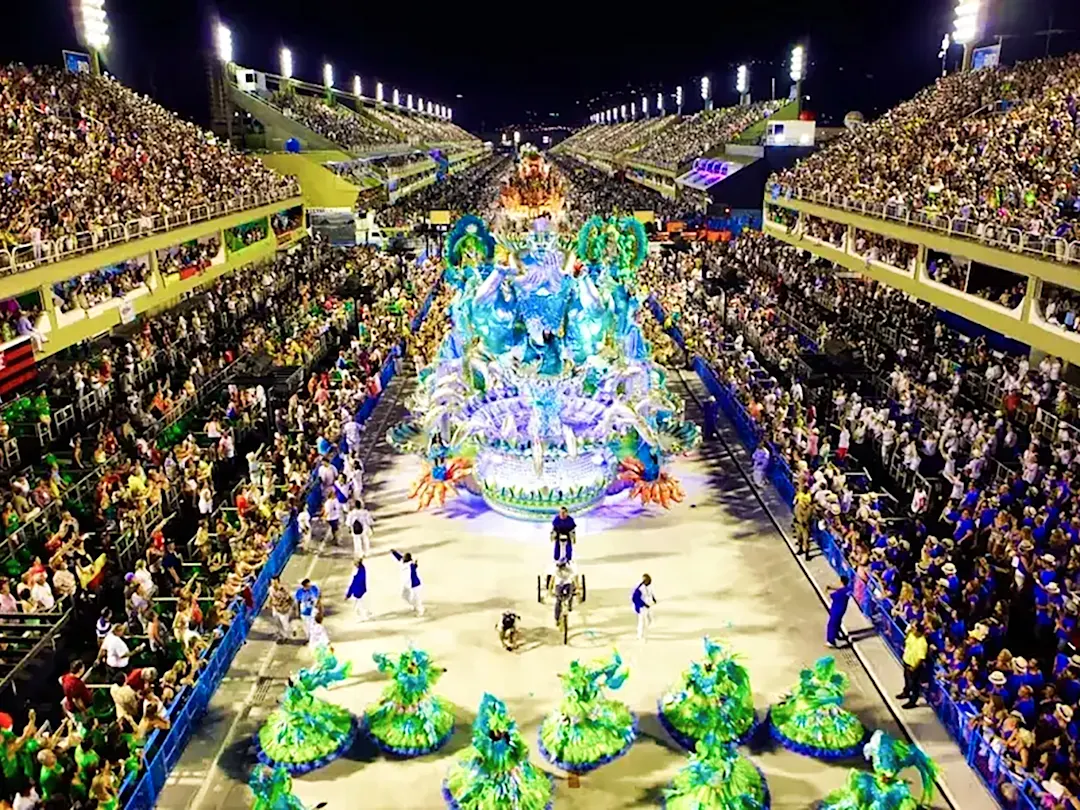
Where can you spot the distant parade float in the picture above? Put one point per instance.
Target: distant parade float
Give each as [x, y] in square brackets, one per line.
[811, 719]
[588, 729]
[544, 393]
[533, 189]
[306, 732]
[712, 700]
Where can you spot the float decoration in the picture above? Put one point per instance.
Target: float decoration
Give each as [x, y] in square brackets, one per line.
[712, 700]
[306, 732]
[810, 720]
[545, 381]
[272, 789]
[717, 777]
[408, 721]
[884, 789]
[494, 772]
[588, 730]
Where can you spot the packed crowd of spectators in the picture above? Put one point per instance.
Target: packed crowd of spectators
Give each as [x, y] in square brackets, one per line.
[473, 190]
[420, 129]
[996, 147]
[84, 153]
[989, 574]
[350, 130]
[91, 289]
[1060, 306]
[159, 612]
[695, 135]
[198, 253]
[589, 191]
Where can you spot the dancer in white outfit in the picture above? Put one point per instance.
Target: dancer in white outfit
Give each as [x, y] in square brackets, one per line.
[410, 581]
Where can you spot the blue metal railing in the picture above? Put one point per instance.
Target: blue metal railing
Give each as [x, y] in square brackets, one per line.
[1012, 790]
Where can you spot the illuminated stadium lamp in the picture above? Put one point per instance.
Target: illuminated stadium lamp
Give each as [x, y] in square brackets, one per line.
[396, 97]
[678, 99]
[633, 109]
[742, 82]
[378, 92]
[408, 101]
[430, 108]
[223, 43]
[798, 63]
[449, 113]
[645, 106]
[966, 26]
[706, 92]
[328, 75]
[93, 27]
[517, 137]
[623, 109]
[285, 57]
[420, 105]
[357, 86]
[660, 103]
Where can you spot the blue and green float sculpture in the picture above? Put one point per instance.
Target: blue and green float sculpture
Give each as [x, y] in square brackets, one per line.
[544, 391]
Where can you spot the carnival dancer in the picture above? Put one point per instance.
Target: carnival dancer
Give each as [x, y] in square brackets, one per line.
[281, 606]
[358, 590]
[360, 523]
[643, 600]
[410, 581]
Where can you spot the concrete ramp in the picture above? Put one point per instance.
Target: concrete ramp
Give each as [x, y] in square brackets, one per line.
[322, 188]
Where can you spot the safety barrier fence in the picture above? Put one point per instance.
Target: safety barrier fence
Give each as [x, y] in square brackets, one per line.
[165, 747]
[982, 753]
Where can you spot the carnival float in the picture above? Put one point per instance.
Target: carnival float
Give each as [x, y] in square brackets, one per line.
[544, 393]
[812, 720]
[712, 700]
[306, 732]
[533, 187]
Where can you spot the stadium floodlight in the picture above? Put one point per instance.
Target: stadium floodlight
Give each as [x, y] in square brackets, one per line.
[678, 98]
[430, 108]
[623, 110]
[408, 101]
[704, 88]
[966, 24]
[660, 103]
[798, 64]
[449, 113]
[517, 137]
[378, 92]
[93, 26]
[645, 106]
[396, 97]
[357, 86]
[742, 79]
[633, 109]
[285, 57]
[420, 104]
[223, 43]
[328, 75]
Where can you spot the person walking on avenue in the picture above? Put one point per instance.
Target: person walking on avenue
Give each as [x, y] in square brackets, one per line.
[318, 637]
[308, 597]
[760, 461]
[360, 522]
[915, 651]
[803, 510]
[358, 590]
[643, 600]
[838, 602]
[410, 581]
[281, 606]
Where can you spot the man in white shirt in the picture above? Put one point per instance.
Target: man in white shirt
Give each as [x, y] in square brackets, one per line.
[114, 649]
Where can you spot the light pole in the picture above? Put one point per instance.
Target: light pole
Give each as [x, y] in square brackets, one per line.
[943, 54]
[644, 106]
[706, 92]
[678, 100]
[92, 24]
[357, 87]
[798, 71]
[285, 58]
[966, 27]
[742, 84]
[660, 104]
[223, 46]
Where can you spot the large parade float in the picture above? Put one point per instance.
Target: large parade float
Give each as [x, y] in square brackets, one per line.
[544, 393]
[532, 188]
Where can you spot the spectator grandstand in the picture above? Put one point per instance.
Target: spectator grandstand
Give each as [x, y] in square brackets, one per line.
[351, 130]
[986, 151]
[89, 162]
[473, 190]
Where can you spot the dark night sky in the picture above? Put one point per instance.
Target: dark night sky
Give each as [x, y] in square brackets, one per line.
[516, 63]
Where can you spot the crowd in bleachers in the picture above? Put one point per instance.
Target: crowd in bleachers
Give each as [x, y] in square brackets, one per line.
[473, 190]
[590, 191]
[100, 286]
[196, 253]
[418, 128]
[696, 134]
[996, 147]
[84, 153]
[161, 549]
[343, 126]
[989, 567]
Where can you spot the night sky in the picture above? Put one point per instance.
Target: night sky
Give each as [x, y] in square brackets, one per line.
[532, 63]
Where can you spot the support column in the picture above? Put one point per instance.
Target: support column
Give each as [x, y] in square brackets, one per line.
[1034, 290]
[155, 273]
[47, 305]
[920, 263]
